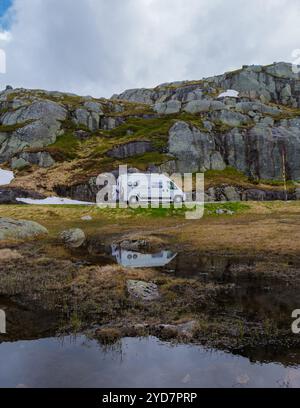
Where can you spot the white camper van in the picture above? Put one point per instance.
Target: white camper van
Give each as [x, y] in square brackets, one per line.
[144, 188]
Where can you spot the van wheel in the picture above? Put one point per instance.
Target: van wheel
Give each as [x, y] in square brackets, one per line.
[178, 199]
[133, 200]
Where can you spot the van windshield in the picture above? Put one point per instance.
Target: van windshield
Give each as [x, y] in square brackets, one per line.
[172, 186]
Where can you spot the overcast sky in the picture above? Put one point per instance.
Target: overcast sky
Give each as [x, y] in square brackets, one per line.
[100, 47]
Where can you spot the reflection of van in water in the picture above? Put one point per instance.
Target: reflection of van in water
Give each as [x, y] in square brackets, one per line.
[132, 259]
[141, 187]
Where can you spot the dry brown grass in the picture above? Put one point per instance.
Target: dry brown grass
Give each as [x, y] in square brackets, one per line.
[8, 255]
[265, 226]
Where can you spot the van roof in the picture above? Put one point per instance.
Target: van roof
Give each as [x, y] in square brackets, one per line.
[152, 175]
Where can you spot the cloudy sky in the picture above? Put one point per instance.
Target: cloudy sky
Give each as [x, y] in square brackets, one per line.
[100, 47]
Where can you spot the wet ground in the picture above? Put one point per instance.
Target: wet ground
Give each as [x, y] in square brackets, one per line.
[243, 337]
[32, 354]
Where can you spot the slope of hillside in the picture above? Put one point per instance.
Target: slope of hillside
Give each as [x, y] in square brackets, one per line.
[246, 141]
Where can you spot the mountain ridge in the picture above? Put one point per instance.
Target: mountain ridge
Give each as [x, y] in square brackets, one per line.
[57, 143]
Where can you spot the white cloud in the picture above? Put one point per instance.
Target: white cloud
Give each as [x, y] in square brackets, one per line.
[5, 36]
[100, 47]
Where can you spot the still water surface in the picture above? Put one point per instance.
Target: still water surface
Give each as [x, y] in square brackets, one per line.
[79, 362]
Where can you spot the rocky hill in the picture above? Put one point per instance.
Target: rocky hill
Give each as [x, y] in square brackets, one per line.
[247, 140]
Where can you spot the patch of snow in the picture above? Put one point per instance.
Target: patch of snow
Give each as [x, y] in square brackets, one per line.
[53, 201]
[6, 177]
[231, 93]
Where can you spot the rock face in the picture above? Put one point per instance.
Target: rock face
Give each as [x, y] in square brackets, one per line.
[109, 123]
[11, 229]
[245, 131]
[24, 159]
[248, 119]
[35, 125]
[130, 149]
[234, 193]
[258, 152]
[277, 83]
[9, 195]
[193, 149]
[73, 238]
[83, 191]
[89, 115]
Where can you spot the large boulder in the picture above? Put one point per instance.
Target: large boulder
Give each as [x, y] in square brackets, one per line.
[130, 149]
[232, 194]
[33, 126]
[197, 106]
[88, 115]
[73, 238]
[144, 291]
[11, 229]
[109, 123]
[230, 118]
[168, 108]
[41, 159]
[141, 95]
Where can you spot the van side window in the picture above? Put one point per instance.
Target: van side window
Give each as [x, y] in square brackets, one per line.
[157, 184]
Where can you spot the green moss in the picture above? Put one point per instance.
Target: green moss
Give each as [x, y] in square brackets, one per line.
[143, 128]
[182, 85]
[277, 183]
[230, 175]
[228, 172]
[69, 125]
[155, 130]
[221, 127]
[14, 127]
[129, 109]
[67, 144]
[143, 161]
[193, 119]
[236, 207]
[159, 212]
[287, 113]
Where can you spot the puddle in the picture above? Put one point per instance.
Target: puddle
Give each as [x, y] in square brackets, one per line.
[79, 362]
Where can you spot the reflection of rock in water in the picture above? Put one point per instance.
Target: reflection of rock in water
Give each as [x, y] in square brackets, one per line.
[210, 267]
[131, 259]
[197, 265]
[24, 323]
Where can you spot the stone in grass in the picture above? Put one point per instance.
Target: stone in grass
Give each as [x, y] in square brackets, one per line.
[145, 291]
[73, 238]
[220, 211]
[20, 229]
[87, 218]
[184, 330]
